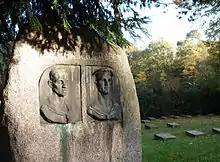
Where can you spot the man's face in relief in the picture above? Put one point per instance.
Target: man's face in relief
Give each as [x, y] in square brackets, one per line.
[58, 82]
[104, 83]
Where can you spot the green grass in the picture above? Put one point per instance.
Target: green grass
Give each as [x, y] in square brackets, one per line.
[183, 149]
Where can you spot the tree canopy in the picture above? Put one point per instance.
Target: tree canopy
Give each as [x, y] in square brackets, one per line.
[108, 17]
[195, 9]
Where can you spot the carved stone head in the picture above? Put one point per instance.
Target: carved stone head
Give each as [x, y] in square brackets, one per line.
[104, 80]
[58, 81]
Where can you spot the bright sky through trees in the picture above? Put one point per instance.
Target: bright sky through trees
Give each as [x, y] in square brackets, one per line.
[165, 25]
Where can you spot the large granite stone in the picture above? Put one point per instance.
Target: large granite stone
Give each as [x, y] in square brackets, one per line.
[71, 98]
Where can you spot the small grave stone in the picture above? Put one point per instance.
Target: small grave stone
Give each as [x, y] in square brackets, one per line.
[151, 118]
[174, 116]
[216, 130]
[164, 136]
[186, 116]
[163, 117]
[150, 126]
[194, 133]
[173, 125]
[145, 121]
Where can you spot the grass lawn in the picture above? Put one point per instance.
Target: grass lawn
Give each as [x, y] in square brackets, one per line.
[205, 148]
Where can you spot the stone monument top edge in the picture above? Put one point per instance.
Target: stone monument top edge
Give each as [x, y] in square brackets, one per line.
[51, 38]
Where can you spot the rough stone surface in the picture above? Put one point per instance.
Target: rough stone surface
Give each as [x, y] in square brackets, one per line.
[173, 125]
[164, 136]
[194, 133]
[85, 139]
[216, 130]
[150, 126]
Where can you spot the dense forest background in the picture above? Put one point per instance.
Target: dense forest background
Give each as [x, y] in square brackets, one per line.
[178, 80]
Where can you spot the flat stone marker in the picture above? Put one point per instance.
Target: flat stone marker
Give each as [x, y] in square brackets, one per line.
[194, 133]
[164, 136]
[145, 121]
[173, 125]
[175, 116]
[150, 126]
[163, 117]
[151, 118]
[188, 116]
[216, 130]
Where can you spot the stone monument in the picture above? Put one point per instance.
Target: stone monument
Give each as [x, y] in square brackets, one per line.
[71, 97]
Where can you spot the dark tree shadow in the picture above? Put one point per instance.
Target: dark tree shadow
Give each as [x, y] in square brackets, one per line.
[5, 150]
[6, 154]
[55, 38]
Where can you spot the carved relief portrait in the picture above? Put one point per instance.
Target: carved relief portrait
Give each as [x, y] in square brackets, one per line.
[103, 105]
[58, 95]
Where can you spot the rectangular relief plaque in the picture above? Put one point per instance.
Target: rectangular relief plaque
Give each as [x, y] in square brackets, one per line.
[60, 94]
[103, 93]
